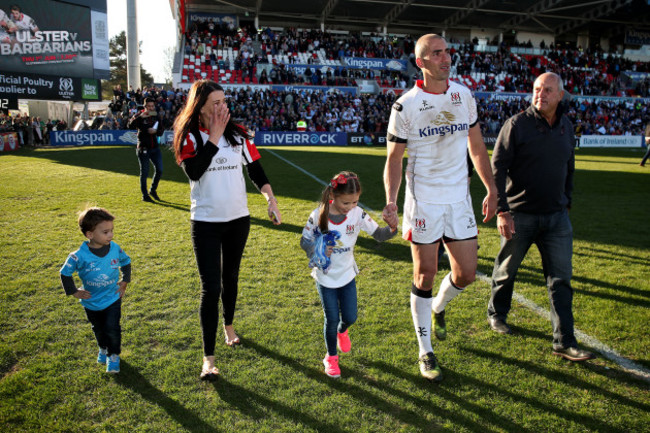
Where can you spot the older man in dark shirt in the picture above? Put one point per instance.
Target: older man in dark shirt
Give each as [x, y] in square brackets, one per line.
[533, 165]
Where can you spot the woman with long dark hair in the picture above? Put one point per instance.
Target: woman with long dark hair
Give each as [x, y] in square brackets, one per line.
[212, 150]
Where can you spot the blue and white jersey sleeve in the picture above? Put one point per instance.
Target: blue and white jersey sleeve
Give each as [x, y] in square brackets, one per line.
[71, 264]
[123, 258]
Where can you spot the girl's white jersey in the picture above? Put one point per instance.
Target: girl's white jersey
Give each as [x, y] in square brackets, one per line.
[435, 128]
[343, 268]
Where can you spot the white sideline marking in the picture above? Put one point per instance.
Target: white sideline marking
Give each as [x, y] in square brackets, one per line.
[322, 182]
[626, 364]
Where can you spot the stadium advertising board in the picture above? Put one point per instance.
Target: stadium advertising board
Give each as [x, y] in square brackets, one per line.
[54, 38]
[283, 88]
[374, 63]
[300, 69]
[281, 138]
[611, 141]
[637, 37]
[366, 138]
[94, 138]
[500, 96]
[201, 18]
[31, 86]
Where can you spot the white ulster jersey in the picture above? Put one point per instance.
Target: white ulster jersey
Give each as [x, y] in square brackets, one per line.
[5, 24]
[25, 22]
[220, 194]
[435, 128]
[343, 268]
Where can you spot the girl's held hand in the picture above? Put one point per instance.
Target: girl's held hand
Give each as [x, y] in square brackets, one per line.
[389, 215]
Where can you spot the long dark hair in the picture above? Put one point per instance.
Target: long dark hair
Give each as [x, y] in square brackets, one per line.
[188, 120]
[346, 182]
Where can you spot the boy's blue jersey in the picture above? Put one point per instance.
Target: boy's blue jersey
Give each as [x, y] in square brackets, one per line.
[99, 275]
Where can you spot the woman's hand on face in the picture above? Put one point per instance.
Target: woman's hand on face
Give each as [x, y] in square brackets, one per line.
[218, 120]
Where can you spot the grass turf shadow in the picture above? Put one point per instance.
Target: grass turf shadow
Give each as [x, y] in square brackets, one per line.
[129, 377]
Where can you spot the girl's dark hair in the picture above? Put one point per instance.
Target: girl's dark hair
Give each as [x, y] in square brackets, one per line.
[189, 117]
[91, 217]
[346, 182]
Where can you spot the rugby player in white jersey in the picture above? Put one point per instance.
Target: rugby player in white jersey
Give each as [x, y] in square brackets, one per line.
[437, 123]
[23, 23]
[6, 27]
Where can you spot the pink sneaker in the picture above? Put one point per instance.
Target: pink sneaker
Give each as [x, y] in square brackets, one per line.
[331, 364]
[343, 340]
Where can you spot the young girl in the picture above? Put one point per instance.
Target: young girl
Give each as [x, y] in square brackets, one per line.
[339, 215]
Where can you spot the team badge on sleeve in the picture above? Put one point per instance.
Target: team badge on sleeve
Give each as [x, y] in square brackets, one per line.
[397, 106]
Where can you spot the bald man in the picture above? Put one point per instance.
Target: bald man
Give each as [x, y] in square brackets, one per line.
[533, 164]
[437, 122]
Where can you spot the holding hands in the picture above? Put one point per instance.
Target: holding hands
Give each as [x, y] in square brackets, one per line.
[389, 215]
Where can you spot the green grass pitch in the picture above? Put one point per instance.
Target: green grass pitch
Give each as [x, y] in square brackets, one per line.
[273, 382]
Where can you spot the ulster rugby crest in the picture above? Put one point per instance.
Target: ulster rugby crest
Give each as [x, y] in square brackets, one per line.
[455, 98]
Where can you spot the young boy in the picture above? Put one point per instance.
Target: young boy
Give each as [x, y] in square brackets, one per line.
[96, 263]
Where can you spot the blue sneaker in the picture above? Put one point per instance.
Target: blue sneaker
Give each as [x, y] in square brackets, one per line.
[101, 356]
[113, 364]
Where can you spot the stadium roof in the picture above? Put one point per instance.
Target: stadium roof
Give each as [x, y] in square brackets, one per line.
[559, 17]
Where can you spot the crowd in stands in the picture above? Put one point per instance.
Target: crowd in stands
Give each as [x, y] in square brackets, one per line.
[293, 41]
[126, 104]
[605, 117]
[31, 131]
[585, 72]
[266, 110]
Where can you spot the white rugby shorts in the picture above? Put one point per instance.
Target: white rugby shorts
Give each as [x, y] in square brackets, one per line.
[426, 223]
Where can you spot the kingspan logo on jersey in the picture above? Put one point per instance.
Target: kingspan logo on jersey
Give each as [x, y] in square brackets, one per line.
[444, 124]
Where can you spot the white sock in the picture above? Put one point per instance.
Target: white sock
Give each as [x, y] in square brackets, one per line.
[446, 293]
[421, 312]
